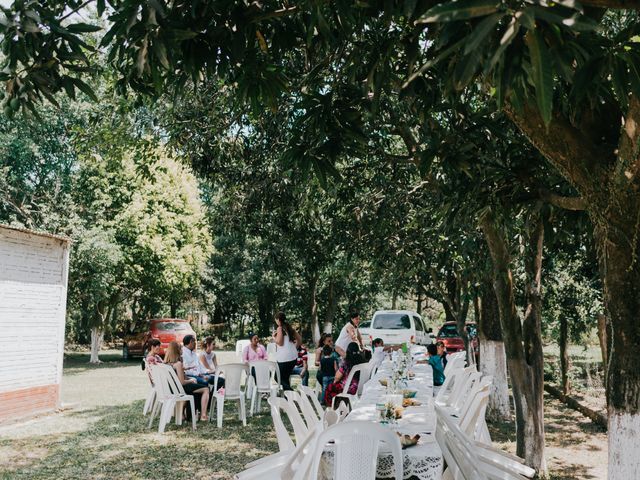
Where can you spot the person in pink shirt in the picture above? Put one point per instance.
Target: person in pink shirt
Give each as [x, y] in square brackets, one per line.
[254, 351]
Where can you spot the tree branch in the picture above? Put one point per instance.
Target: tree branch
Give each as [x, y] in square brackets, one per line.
[582, 162]
[567, 203]
[613, 4]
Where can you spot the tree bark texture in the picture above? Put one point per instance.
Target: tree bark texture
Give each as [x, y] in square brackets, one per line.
[493, 360]
[97, 335]
[332, 307]
[313, 309]
[564, 356]
[522, 341]
[602, 337]
[608, 179]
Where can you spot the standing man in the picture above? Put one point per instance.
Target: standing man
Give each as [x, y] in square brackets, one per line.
[348, 334]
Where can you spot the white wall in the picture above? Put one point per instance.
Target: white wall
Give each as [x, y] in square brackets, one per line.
[33, 297]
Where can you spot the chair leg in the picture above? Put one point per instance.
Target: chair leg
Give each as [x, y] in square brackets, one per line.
[254, 393]
[243, 412]
[154, 412]
[165, 415]
[178, 412]
[193, 413]
[220, 404]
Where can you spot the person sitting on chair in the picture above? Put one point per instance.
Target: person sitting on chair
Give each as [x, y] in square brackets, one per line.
[153, 358]
[208, 361]
[192, 366]
[302, 367]
[353, 357]
[190, 385]
[438, 370]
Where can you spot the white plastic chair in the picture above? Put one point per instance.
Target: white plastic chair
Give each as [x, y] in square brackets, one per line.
[267, 381]
[271, 351]
[170, 397]
[232, 391]
[302, 402]
[356, 446]
[364, 369]
[151, 396]
[240, 344]
[313, 399]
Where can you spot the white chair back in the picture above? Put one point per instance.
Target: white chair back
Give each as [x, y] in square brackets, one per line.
[240, 344]
[454, 363]
[471, 382]
[284, 439]
[457, 449]
[233, 379]
[300, 430]
[266, 373]
[313, 398]
[271, 351]
[308, 412]
[362, 369]
[356, 447]
[460, 383]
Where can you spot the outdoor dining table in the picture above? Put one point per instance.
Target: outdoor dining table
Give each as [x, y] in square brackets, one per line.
[422, 461]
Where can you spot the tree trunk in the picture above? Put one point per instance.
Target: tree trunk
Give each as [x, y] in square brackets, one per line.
[313, 307]
[523, 344]
[173, 305]
[394, 300]
[419, 301]
[602, 337]
[332, 307]
[608, 180]
[564, 356]
[97, 335]
[493, 360]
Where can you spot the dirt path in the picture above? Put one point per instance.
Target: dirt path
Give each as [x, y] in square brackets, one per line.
[576, 449]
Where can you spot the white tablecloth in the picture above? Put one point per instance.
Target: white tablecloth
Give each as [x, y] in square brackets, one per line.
[422, 461]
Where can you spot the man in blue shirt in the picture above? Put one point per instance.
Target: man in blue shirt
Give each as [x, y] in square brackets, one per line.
[436, 363]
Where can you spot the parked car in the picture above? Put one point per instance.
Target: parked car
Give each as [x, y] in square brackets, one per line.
[452, 340]
[397, 326]
[164, 329]
[365, 331]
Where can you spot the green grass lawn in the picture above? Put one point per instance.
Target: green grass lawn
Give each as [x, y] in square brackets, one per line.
[103, 435]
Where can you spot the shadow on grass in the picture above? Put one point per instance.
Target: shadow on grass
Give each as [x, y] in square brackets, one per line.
[78, 362]
[118, 444]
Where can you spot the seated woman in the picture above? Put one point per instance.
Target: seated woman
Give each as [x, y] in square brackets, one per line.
[438, 370]
[254, 351]
[153, 358]
[208, 360]
[352, 358]
[191, 386]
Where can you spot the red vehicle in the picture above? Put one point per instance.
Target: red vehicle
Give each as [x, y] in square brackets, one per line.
[452, 340]
[164, 329]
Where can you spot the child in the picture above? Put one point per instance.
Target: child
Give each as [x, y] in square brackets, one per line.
[438, 370]
[377, 357]
[328, 367]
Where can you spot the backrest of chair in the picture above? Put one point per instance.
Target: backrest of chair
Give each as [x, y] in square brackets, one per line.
[265, 373]
[160, 379]
[472, 380]
[342, 411]
[483, 384]
[460, 383]
[313, 399]
[271, 351]
[453, 364]
[173, 381]
[299, 462]
[240, 344]
[457, 449]
[475, 412]
[232, 378]
[358, 368]
[308, 412]
[300, 430]
[365, 376]
[284, 440]
[356, 447]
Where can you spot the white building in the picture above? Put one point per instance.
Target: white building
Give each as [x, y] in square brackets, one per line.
[33, 301]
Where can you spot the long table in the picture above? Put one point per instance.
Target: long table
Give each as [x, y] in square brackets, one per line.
[422, 461]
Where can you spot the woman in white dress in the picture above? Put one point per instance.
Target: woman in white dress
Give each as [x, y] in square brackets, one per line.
[286, 351]
[348, 334]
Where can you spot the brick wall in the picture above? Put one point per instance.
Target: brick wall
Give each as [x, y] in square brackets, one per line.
[27, 401]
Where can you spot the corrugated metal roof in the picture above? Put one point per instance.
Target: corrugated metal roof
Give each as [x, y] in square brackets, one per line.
[35, 232]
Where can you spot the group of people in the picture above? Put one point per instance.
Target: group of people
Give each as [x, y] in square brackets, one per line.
[195, 371]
